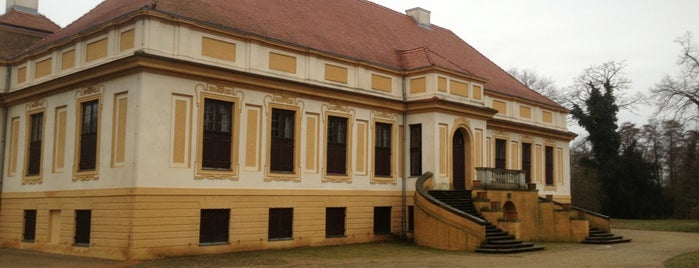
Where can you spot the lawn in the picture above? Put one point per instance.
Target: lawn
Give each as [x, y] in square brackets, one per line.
[689, 226]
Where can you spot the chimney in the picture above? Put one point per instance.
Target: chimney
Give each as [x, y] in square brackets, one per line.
[420, 15]
[29, 6]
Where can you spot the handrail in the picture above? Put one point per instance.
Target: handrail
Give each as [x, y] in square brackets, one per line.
[420, 188]
[581, 209]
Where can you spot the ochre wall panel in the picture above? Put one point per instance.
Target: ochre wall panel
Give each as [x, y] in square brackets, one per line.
[361, 147]
[126, 40]
[119, 129]
[380, 82]
[218, 49]
[418, 85]
[443, 150]
[547, 117]
[43, 68]
[458, 88]
[477, 92]
[442, 84]
[96, 50]
[253, 122]
[181, 130]
[282, 63]
[21, 75]
[525, 112]
[311, 142]
[501, 106]
[67, 59]
[14, 147]
[335, 73]
[59, 141]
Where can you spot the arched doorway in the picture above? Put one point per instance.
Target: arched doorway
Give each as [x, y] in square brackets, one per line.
[459, 160]
[510, 211]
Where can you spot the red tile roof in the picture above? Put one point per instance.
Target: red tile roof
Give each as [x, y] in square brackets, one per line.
[19, 30]
[29, 21]
[356, 29]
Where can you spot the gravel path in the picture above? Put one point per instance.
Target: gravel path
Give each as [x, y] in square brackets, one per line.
[648, 249]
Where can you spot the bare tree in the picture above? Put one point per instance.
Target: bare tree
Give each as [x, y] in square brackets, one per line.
[608, 75]
[678, 96]
[543, 85]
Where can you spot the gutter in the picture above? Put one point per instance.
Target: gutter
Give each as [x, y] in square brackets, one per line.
[404, 206]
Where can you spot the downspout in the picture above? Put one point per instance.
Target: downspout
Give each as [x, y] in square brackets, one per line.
[3, 135]
[403, 216]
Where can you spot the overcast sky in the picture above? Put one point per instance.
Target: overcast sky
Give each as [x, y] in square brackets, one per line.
[557, 39]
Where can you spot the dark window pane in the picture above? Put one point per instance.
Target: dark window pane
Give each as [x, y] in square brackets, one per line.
[382, 220]
[88, 135]
[500, 153]
[527, 161]
[411, 218]
[34, 164]
[282, 147]
[29, 226]
[382, 150]
[337, 145]
[213, 225]
[549, 165]
[83, 221]
[216, 143]
[334, 222]
[280, 223]
[415, 150]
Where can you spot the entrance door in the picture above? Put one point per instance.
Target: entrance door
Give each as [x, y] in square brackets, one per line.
[459, 161]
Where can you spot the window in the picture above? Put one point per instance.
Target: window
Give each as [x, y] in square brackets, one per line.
[213, 226]
[411, 218]
[549, 165]
[280, 223]
[29, 226]
[382, 220]
[35, 137]
[500, 153]
[335, 222]
[88, 135]
[282, 147]
[382, 150]
[337, 145]
[216, 145]
[416, 150]
[83, 220]
[527, 161]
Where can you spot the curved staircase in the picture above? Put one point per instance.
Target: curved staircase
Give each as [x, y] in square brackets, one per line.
[497, 241]
[598, 236]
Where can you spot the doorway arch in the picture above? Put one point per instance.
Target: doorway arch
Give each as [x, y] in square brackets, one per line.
[460, 161]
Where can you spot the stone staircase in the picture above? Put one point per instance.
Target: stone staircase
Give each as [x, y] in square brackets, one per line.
[496, 241]
[598, 236]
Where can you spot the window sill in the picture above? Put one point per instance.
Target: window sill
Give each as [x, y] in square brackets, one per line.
[27, 241]
[82, 245]
[280, 239]
[336, 236]
[206, 244]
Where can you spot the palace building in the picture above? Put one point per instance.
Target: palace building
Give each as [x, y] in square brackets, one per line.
[152, 128]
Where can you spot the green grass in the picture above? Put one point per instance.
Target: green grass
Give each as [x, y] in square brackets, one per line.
[689, 226]
[688, 260]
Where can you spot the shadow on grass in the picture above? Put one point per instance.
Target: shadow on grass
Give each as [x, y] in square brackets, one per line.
[687, 260]
[689, 226]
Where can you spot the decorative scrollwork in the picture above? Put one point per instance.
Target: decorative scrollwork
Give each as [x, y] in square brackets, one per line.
[85, 177]
[37, 104]
[90, 91]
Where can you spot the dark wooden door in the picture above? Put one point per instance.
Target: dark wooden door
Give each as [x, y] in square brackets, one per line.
[459, 161]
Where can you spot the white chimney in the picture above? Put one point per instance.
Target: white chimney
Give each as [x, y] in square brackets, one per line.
[31, 6]
[421, 16]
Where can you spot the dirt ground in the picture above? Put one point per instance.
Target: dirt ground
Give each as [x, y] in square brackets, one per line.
[648, 249]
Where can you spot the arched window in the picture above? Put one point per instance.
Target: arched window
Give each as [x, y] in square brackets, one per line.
[510, 211]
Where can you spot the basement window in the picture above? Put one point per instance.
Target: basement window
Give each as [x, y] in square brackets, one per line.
[382, 220]
[213, 226]
[29, 233]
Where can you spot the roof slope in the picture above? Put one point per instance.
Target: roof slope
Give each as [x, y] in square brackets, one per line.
[19, 30]
[357, 29]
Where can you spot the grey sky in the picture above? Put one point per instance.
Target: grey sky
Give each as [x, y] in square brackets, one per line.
[557, 39]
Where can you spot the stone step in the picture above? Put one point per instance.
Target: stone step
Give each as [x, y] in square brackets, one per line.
[509, 250]
[513, 245]
[605, 242]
